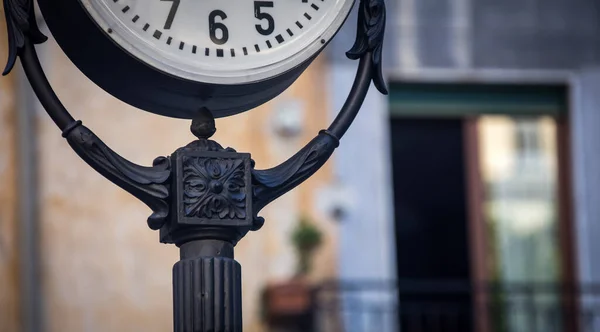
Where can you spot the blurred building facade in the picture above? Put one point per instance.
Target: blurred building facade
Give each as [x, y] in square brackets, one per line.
[480, 167]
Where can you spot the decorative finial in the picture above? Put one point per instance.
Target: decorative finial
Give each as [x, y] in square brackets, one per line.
[203, 124]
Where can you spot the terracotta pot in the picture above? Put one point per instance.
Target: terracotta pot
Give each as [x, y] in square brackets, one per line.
[289, 299]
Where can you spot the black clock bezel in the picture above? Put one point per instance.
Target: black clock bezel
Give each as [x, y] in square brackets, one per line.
[134, 82]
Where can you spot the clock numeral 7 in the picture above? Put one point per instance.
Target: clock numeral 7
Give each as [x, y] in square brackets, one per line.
[258, 5]
[172, 13]
[214, 26]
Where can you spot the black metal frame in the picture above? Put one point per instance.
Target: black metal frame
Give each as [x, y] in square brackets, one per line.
[204, 197]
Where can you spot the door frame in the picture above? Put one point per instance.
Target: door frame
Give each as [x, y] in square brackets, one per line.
[476, 191]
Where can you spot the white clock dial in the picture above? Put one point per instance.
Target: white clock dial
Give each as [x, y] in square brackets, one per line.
[220, 41]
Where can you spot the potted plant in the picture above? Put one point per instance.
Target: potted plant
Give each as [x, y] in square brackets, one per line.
[306, 238]
[289, 304]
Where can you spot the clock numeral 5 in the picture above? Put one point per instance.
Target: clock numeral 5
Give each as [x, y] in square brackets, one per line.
[172, 13]
[258, 5]
[214, 26]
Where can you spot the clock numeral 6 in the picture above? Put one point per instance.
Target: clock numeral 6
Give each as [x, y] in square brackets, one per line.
[258, 5]
[214, 26]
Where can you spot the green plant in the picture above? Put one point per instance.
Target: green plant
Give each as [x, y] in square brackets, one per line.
[306, 237]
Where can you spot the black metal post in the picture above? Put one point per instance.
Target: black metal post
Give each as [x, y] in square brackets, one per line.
[207, 286]
[210, 211]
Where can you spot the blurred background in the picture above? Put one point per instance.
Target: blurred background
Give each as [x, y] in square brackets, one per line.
[466, 200]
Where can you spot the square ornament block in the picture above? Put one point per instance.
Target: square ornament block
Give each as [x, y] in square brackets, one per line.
[212, 189]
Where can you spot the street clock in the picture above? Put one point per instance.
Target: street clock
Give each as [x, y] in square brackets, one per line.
[198, 59]
[173, 57]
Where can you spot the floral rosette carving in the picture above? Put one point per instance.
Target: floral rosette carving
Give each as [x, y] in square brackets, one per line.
[214, 188]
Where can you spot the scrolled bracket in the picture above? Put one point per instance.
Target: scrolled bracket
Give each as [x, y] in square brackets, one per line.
[369, 39]
[272, 183]
[20, 24]
[149, 184]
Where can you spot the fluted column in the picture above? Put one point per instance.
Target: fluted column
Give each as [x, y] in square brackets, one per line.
[207, 295]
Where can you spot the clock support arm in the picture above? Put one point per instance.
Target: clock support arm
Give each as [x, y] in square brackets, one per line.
[270, 184]
[149, 184]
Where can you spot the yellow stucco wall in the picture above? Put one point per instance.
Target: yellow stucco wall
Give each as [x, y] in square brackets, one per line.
[8, 191]
[103, 269]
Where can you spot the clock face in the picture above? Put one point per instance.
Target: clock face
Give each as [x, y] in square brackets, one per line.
[220, 41]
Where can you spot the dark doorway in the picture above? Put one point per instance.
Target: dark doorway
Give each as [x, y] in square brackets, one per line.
[431, 220]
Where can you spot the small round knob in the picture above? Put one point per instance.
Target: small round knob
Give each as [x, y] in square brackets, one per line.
[216, 187]
[203, 124]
